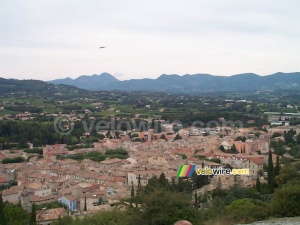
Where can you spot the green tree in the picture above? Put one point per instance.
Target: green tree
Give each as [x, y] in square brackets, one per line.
[216, 160]
[221, 147]
[270, 173]
[257, 185]
[199, 180]
[85, 206]
[286, 200]
[287, 172]
[132, 191]
[139, 183]
[3, 220]
[163, 136]
[233, 149]
[246, 210]
[32, 220]
[165, 207]
[277, 167]
[162, 181]
[67, 220]
[177, 137]
[196, 200]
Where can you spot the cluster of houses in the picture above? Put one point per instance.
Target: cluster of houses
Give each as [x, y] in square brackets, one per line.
[86, 187]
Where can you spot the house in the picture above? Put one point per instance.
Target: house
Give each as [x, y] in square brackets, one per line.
[255, 165]
[226, 144]
[109, 163]
[92, 200]
[39, 189]
[3, 181]
[69, 201]
[47, 216]
[11, 195]
[1, 156]
[51, 151]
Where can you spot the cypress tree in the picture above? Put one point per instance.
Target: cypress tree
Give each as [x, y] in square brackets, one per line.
[2, 214]
[258, 188]
[33, 215]
[196, 200]
[233, 149]
[270, 173]
[132, 191]
[277, 167]
[85, 206]
[139, 183]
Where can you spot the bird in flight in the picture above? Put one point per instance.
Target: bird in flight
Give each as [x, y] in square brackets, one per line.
[102, 47]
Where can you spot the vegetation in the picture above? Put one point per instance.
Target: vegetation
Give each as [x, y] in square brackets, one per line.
[163, 202]
[13, 160]
[13, 214]
[98, 156]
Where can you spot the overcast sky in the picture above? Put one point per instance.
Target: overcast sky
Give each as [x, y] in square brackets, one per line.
[49, 39]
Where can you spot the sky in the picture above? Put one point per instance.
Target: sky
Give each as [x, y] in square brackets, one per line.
[51, 39]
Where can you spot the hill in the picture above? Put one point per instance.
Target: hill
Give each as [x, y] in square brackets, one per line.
[195, 83]
[94, 82]
[41, 88]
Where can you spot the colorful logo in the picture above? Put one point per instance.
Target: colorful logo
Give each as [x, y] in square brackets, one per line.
[185, 170]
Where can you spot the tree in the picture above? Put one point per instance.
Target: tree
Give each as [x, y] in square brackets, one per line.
[32, 220]
[139, 183]
[199, 180]
[221, 147]
[132, 191]
[285, 202]
[113, 217]
[165, 207]
[257, 185]
[216, 160]
[270, 173]
[177, 137]
[3, 219]
[163, 182]
[233, 149]
[196, 200]
[85, 206]
[246, 210]
[163, 136]
[287, 173]
[277, 167]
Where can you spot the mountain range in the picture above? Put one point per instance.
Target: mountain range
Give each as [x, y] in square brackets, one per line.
[187, 83]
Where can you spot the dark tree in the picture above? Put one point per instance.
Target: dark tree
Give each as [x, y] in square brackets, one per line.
[163, 182]
[221, 147]
[257, 185]
[177, 137]
[199, 180]
[132, 191]
[196, 200]
[139, 183]
[85, 206]
[270, 173]
[32, 220]
[277, 167]
[2, 214]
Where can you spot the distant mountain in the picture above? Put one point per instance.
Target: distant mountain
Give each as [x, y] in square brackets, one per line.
[195, 83]
[94, 82]
[208, 83]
